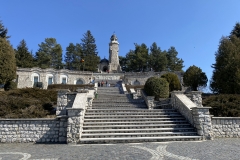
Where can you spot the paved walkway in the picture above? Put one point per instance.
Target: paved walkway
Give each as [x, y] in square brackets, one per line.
[224, 149]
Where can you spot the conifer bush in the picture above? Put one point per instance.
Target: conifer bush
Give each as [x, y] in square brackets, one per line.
[157, 87]
[174, 83]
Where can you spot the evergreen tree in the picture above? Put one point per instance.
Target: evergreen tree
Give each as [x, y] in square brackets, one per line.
[137, 60]
[236, 30]
[174, 63]
[90, 54]
[157, 58]
[123, 62]
[49, 54]
[226, 73]
[24, 58]
[69, 55]
[7, 62]
[194, 77]
[3, 31]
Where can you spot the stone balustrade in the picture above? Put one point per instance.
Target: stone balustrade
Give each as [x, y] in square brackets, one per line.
[199, 117]
[149, 100]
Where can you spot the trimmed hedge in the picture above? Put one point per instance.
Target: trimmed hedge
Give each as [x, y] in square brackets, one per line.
[28, 103]
[223, 105]
[157, 87]
[71, 87]
[174, 83]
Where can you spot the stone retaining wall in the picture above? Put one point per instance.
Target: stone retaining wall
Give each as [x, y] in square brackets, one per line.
[33, 130]
[226, 127]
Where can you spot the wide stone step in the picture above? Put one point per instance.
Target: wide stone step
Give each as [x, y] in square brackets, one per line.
[132, 116]
[145, 126]
[140, 130]
[95, 101]
[138, 139]
[133, 123]
[142, 134]
[129, 113]
[129, 110]
[120, 106]
[108, 105]
[133, 119]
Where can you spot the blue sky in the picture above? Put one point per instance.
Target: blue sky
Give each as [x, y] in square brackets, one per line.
[193, 27]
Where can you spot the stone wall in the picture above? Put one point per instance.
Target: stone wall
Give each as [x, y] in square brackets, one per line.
[226, 127]
[33, 130]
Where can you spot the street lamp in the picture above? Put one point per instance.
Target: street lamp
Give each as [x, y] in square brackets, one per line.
[82, 61]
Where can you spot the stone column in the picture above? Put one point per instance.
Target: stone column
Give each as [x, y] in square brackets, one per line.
[62, 102]
[196, 97]
[202, 121]
[62, 134]
[74, 126]
[138, 92]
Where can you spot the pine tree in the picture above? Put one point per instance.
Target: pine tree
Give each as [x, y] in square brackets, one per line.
[49, 54]
[194, 77]
[24, 58]
[158, 59]
[90, 54]
[174, 63]
[3, 31]
[69, 55]
[7, 62]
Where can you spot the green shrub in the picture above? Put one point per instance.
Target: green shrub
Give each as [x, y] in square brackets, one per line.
[223, 105]
[157, 87]
[174, 83]
[28, 103]
[10, 85]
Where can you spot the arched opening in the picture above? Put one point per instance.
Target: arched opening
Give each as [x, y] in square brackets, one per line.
[105, 68]
[135, 83]
[79, 81]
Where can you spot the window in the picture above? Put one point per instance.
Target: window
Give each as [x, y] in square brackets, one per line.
[35, 79]
[50, 80]
[64, 80]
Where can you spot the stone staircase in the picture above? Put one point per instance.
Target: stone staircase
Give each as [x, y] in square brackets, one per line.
[116, 118]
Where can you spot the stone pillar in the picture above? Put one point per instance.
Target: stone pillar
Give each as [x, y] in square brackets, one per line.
[196, 97]
[74, 126]
[62, 134]
[202, 121]
[62, 102]
[138, 92]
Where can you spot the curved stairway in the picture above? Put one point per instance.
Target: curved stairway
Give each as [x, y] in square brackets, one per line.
[116, 118]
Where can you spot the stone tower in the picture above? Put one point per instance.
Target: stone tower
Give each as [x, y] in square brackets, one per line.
[113, 55]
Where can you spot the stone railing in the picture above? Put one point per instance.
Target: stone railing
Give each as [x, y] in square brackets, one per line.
[42, 130]
[149, 100]
[199, 117]
[124, 89]
[226, 127]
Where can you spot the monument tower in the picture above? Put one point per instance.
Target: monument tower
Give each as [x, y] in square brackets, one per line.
[113, 55]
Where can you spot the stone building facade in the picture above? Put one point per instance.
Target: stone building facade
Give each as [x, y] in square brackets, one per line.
[29, 77]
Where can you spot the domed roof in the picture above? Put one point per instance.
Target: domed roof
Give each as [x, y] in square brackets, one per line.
[113, 37]
[104, 60]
